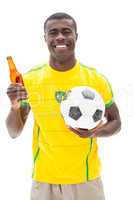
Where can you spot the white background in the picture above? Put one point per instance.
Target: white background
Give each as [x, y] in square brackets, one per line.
[106, 41]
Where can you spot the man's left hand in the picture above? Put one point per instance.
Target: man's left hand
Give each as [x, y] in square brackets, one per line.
[112, 125]
[85, 133]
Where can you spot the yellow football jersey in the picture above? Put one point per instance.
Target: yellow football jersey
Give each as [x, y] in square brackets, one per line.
[61, 156]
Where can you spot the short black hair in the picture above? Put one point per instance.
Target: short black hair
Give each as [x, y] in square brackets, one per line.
[60, 15]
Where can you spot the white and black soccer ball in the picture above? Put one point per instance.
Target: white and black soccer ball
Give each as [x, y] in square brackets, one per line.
[82, 107]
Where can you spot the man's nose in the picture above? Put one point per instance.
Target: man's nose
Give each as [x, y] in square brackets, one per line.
[60, 37]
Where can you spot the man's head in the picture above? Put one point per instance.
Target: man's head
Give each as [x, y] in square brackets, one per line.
[60, 35]
[59, 16]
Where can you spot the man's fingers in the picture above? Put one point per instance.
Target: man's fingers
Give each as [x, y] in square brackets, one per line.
[18, 97]
[81, 132]
[16, 92]
[13, 91]
[74, 130]
[16, 84]
[15, 88]
[98, 126]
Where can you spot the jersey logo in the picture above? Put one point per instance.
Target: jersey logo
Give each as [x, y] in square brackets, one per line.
[59, 96]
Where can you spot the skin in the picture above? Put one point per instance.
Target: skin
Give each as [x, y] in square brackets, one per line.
[60, 37]
[17, 116]
[61, 32]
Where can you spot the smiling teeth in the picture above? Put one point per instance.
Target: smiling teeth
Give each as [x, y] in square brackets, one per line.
[60, 46]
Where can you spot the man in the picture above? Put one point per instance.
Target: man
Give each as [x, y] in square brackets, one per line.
[66, 162]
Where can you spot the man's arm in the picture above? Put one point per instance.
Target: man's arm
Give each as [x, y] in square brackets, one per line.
[18, 113]
[112, 126]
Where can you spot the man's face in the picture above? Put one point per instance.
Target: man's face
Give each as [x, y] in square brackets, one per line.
[60, 36]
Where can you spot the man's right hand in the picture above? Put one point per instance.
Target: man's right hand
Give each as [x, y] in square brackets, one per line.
[18, 115]
[16, 93]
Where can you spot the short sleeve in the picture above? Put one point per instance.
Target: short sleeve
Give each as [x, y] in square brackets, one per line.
[105, 90]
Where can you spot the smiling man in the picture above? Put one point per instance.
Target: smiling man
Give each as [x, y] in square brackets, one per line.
[61, 36]
[66, 163]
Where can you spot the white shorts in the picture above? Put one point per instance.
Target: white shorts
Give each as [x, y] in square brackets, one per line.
[91, 190]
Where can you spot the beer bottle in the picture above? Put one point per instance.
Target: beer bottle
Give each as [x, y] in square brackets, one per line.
[15, 76]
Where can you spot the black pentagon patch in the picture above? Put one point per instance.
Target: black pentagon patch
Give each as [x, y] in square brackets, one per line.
[75, 112]
[87, 94]
[97, 115]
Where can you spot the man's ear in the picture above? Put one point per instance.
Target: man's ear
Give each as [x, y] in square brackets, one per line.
[76, 36]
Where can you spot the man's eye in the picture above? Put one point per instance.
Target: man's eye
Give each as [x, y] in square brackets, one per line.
[66, 31]
[52, 33]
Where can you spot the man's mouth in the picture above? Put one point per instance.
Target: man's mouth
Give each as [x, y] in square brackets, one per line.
[61, 46]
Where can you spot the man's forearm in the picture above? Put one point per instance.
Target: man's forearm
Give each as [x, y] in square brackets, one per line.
[15, 120]
[109, 129]
[14, 123]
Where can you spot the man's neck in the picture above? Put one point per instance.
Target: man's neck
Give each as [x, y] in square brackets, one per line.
[62, 65]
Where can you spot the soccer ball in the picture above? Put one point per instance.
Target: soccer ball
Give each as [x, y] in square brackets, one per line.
[82, 107]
